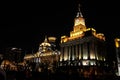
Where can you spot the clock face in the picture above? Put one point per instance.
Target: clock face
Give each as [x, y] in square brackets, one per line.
[77, 20]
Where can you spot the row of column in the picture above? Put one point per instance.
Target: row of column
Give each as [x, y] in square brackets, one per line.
[78, 51]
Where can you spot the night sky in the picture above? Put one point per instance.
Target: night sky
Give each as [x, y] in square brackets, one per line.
[25, 24]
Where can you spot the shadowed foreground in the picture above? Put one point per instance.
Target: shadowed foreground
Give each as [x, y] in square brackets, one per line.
[12, 75]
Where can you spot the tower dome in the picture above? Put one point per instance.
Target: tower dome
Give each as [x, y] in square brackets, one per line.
[44, 46]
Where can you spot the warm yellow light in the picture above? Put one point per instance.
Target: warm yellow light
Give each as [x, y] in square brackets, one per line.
[76, 34]
[117, 42]
[65, 40]
[85, 57]
[100, 36]
[92, 56]
[85, 63]
[65, 58]
[60, 59]
[28, 57]
[63, 36]
[79, 21]
[46, 54]
[91, 29]
[45, 44]
[51, 38]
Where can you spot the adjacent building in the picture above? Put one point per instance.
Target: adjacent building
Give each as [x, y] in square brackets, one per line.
[47, 55]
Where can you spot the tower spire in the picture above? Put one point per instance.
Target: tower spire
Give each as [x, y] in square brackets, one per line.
[79, 14]
[45, 39]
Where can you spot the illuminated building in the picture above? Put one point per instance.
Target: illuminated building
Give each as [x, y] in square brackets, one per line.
[46, 56]
[84, 47]
[117, 44]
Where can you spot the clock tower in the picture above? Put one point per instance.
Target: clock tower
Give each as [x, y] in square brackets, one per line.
[79, 24]
[79, 18]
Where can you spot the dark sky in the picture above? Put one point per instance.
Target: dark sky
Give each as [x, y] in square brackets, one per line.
[24, 24]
